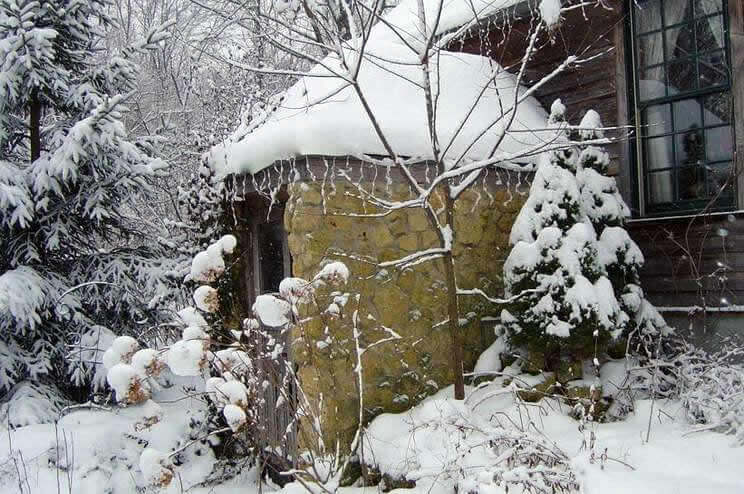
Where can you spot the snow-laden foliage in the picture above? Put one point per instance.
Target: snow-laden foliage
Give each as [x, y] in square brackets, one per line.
[29, 403]
[566, 300]
[710, 385]
[74, 260]
[619, 255]
[239, 369]
[712, 389]
[573, 269]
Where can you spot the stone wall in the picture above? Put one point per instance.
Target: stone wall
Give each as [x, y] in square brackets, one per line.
[412, 302]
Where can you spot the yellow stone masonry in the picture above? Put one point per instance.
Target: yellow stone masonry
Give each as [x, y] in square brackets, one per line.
[322, 226]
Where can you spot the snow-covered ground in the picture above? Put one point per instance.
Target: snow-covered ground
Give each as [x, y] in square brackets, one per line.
[439, 443]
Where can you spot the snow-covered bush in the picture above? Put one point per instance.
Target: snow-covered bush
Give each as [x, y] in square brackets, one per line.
[29, 403]
[237, 368]
[619, 255]
[709, 385]
[567, 304]
[573, 269]
[712, 390]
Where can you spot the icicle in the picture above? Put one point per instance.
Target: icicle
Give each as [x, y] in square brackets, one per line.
[333, 178]
[508, 189]
[388, 181]
[485, 187]
[322, 186]
[477, 199]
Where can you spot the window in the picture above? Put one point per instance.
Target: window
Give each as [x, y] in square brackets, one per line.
[683, 104]
[263, 251]
[272, 255]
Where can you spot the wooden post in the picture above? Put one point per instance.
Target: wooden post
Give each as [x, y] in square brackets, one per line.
[736, 27]
[276, 420]
[625, 181]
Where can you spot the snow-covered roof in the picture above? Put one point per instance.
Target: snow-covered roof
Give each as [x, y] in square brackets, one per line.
[441, 15]
[322, 115]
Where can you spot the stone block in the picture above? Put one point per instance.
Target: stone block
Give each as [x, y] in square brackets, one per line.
[418, 221]
[409, 242]
[379, 235]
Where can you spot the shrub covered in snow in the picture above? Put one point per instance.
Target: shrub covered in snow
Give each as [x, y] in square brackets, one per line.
[234, 366]
[566, 301]
[619, 256]
[445, 445]
[573, 269]
[29, 403]
[709, 385]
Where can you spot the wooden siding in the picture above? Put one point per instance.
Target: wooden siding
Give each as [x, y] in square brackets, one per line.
[693, 261]
[590, 85]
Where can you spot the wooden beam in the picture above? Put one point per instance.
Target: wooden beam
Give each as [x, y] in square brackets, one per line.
[736, 28]
[621, 95]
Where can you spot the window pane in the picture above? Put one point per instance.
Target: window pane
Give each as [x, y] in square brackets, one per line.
[709, 33]
[707, 7]
[691, 182]
[659, 153]
[680, 42]
[718, 144]
[647, 15]
[712, 69]
[717, 109]
[689, 148]
[677, 12]
[658, 120]
[718, 175]
[650, 50]
[681, 76]
[652, 83]
[660, 187]
[687, 115]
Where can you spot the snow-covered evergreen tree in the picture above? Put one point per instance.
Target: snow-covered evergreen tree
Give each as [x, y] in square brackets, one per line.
[76, 266]
[567, 303]
[619, 255]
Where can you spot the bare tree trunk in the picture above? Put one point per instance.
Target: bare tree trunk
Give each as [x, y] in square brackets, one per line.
[453, 311]
[35, 125]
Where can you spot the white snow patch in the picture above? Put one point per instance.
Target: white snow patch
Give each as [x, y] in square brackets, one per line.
[234, 416]
[187, 357]
[122, 377]
[155, 467]
[550, 12]
[206, 298]
[272, 311]
[121, 350]
[191, 317]
[334, 272]
[490, 360]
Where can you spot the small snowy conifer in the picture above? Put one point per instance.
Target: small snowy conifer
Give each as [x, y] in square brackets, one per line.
[567, 302]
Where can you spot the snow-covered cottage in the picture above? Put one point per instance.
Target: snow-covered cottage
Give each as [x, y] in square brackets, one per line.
[306, 175]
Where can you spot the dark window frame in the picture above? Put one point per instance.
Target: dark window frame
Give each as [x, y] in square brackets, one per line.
[641, 170]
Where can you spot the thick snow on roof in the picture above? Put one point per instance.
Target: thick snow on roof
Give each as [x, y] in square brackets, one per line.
[441, 16]
[322, 114]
